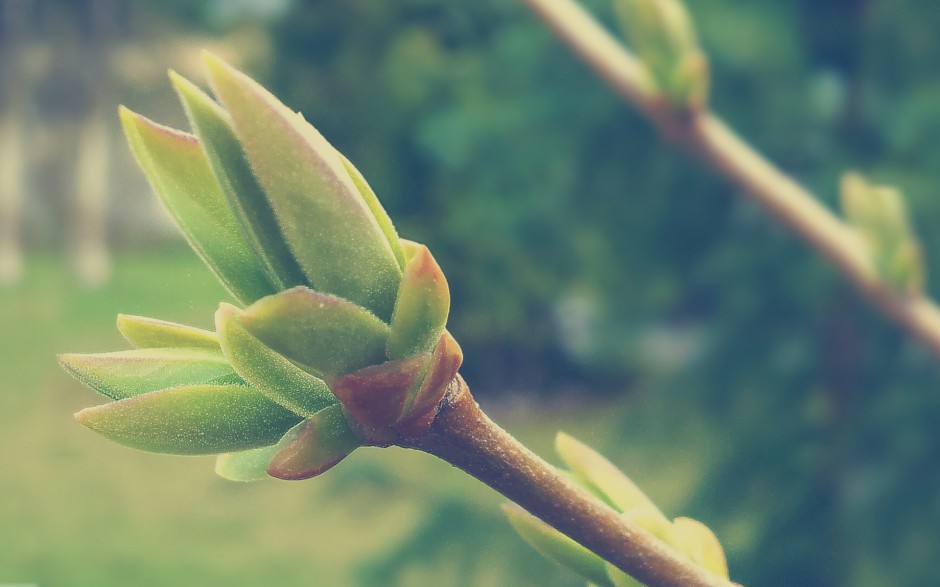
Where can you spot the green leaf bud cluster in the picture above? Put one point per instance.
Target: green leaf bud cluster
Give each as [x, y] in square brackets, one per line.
[338, 338]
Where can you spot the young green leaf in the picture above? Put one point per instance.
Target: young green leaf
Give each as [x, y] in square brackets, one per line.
[247, 200]
[267, 371]
[700, 544]
[145, 332]
[245, 465]
[558, 547]
[422, 307]
[314, 446]
[125, 374]
[331, 230]
[328, 335]
[180, 175]
[192, 420]
[603, 477]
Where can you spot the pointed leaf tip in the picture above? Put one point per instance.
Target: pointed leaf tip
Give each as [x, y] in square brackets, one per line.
[179, 173]
[421, 308]
[144, 332]
[124, 374]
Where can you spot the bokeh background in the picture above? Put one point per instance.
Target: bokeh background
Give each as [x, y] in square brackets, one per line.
[603, 284]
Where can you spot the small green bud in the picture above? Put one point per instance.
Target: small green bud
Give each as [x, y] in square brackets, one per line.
[663, 35]
[879, 216]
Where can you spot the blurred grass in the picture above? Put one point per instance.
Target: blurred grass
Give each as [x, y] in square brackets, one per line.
[79, 511]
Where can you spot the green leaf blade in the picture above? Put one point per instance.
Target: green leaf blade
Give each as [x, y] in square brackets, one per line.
[144, 332]
[556, 546]
[180, 175]
[328, 335]
[192, 420]
[246, 465]
[333, 234]
[268, 371]
[125, 374]
[244, 195]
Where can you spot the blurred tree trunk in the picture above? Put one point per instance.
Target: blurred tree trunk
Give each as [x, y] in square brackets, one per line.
[89, 220]
[13, 89]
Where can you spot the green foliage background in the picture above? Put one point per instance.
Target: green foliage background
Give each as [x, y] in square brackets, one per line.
[595, 270]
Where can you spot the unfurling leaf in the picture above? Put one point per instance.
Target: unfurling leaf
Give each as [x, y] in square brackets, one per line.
[328, 335]
[700, 544]
[603, 477]
[421, 309]
[314, 446]
[180, 175]
[267, 371]
[192, 420]
[331, 230]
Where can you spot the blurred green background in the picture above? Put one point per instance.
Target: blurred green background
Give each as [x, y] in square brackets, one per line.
[603, 284]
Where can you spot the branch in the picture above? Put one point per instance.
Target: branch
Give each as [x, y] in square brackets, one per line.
[707, 137]
[466, 438]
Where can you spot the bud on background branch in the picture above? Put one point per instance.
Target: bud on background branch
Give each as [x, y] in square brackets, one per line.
[663, 35]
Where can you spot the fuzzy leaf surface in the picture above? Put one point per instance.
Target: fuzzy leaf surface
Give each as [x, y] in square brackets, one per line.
[268, 371]
[180, 175]
[192, 420]
[124, 374]
[245, 465]
[245, 197]
[333, 234]
[328, 335]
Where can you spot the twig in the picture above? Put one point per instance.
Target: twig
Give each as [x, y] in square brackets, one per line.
[466, 438]
[707, 137]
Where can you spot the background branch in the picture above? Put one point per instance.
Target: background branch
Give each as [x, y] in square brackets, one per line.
[710, 139]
